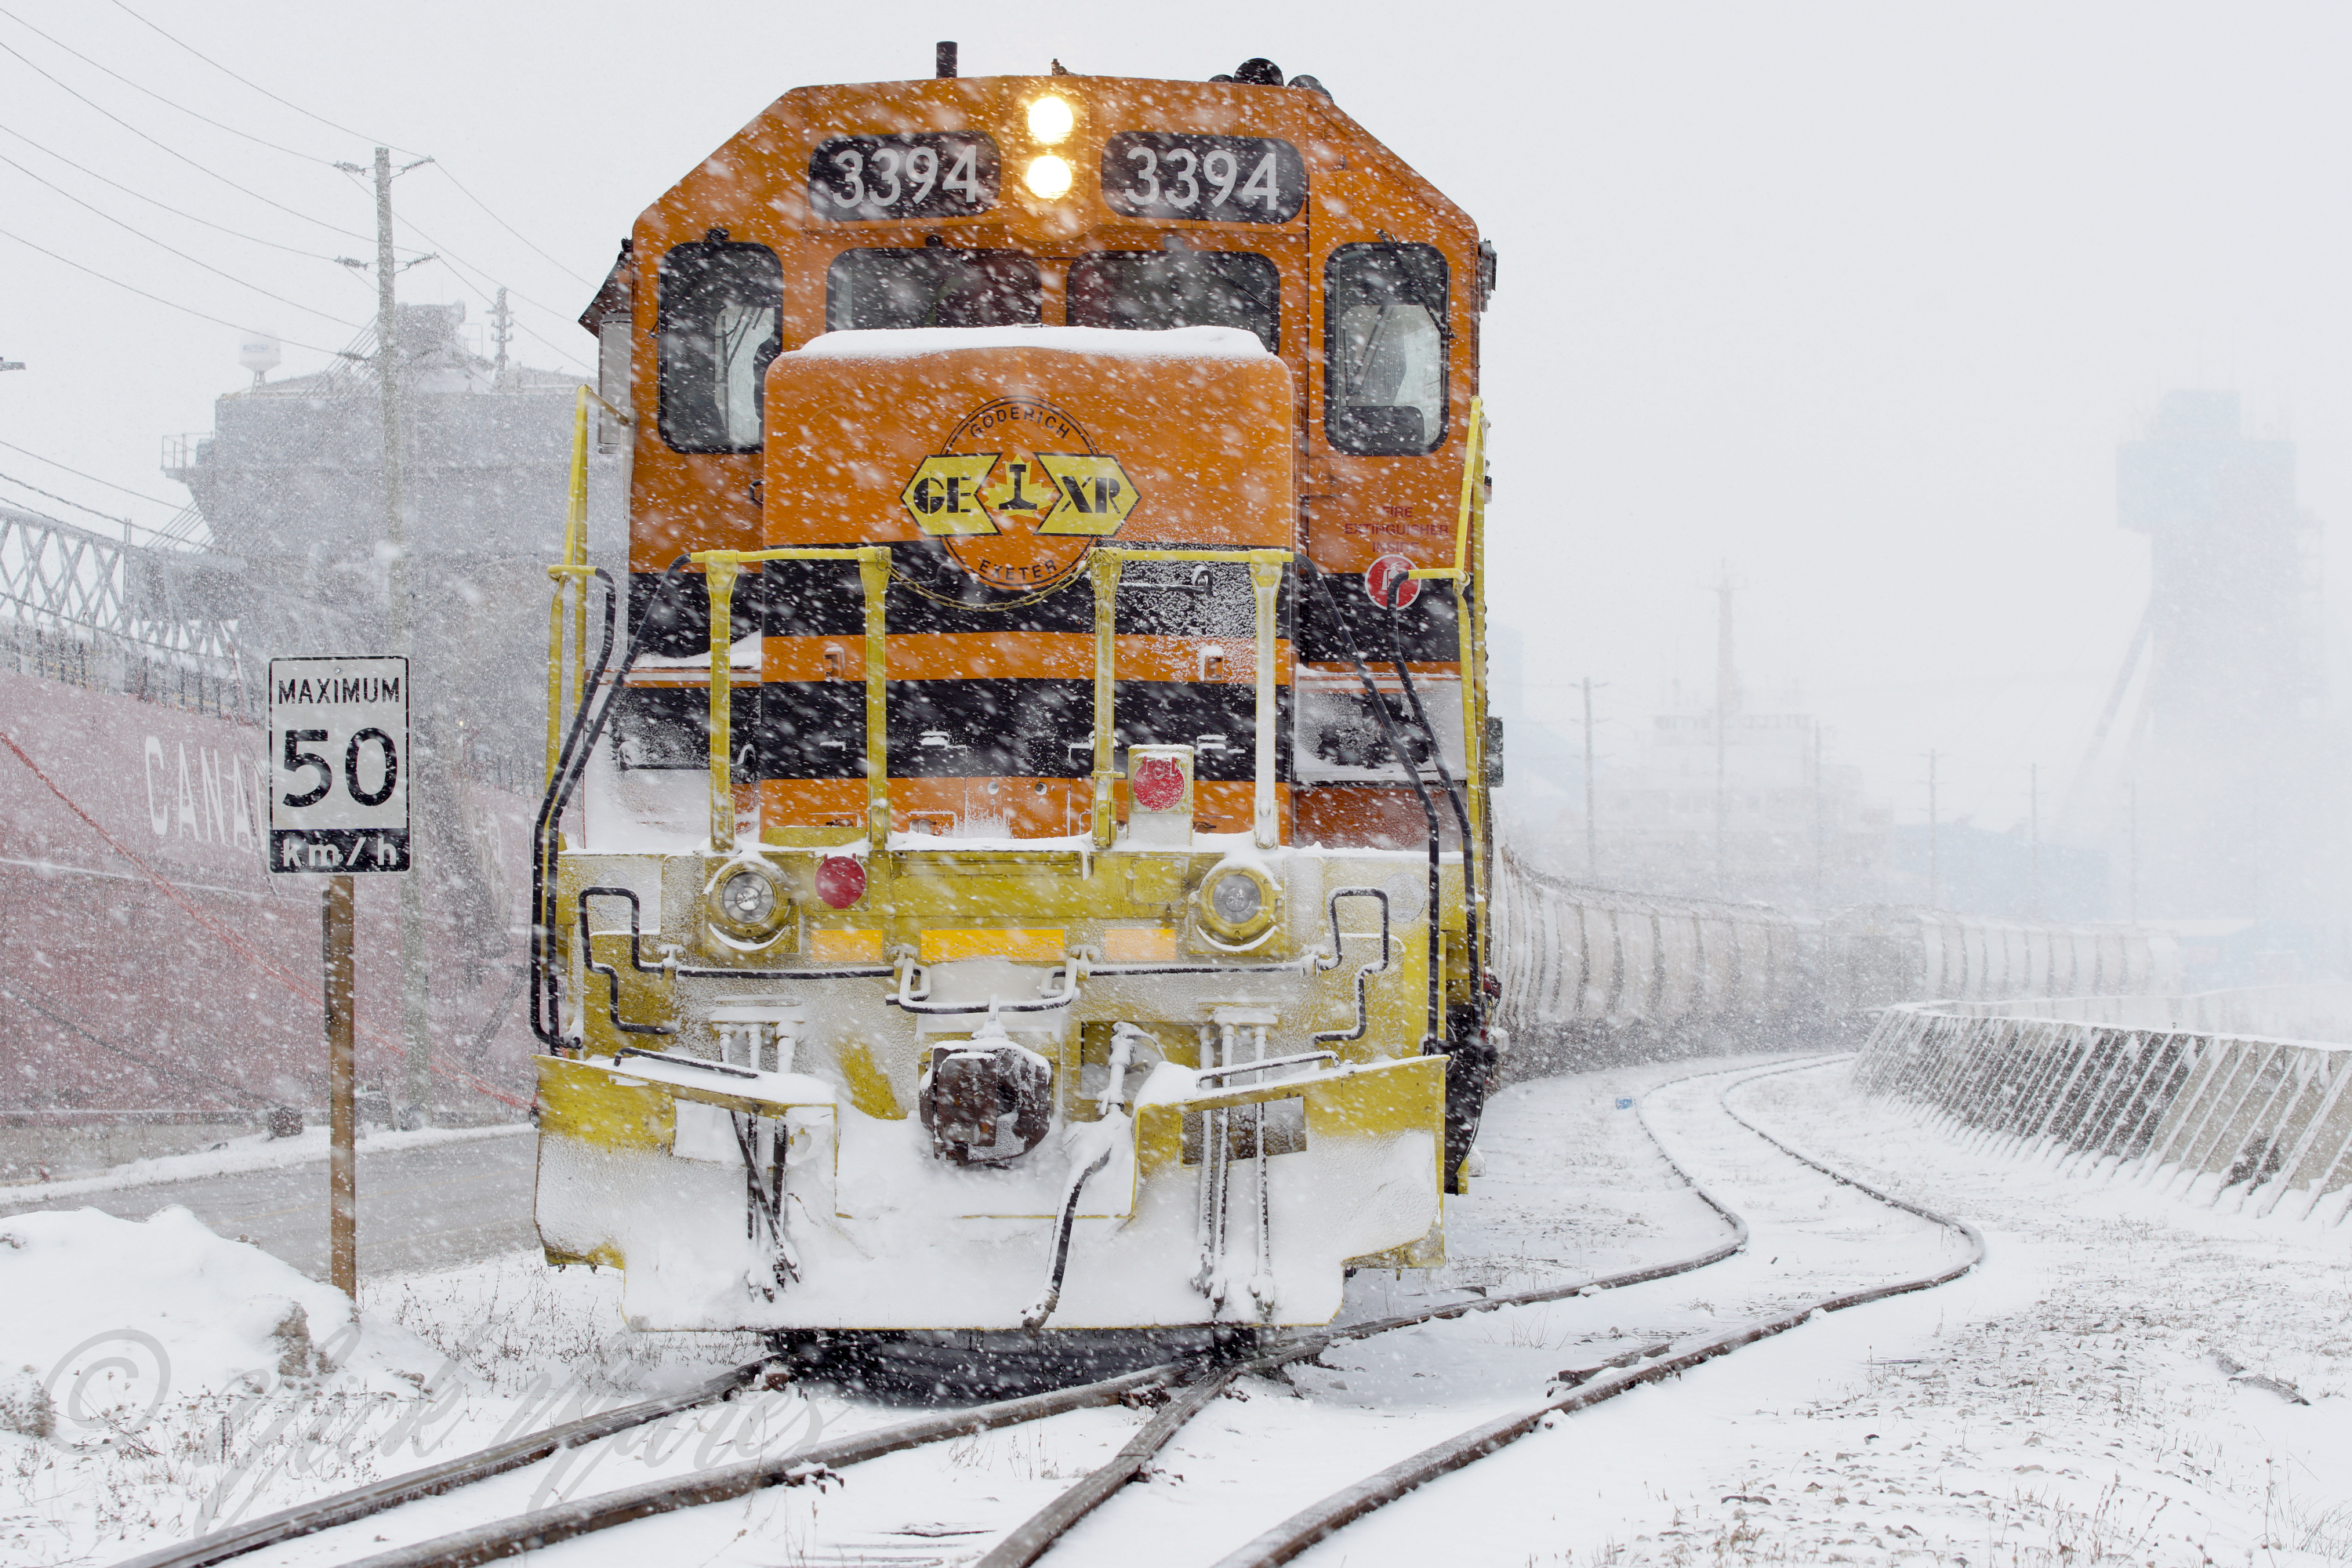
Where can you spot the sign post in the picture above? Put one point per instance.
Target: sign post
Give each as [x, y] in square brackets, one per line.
[342, 1160]
[338, 804]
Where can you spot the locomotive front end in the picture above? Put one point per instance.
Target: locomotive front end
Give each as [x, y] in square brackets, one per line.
[942, 957]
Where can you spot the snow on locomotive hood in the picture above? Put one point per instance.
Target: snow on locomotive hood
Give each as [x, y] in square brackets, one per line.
[911, 342]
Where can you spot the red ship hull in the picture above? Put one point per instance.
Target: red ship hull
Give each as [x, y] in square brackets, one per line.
[152, 963]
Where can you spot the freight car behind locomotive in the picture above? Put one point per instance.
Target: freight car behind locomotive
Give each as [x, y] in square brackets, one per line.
[1593, 975]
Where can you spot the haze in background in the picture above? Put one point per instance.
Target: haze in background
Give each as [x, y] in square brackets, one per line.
[1859, 299]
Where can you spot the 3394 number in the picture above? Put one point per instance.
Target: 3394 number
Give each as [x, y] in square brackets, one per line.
[931, 173]
[1220, 179]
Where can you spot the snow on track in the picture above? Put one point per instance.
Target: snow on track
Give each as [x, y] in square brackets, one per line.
[1248, 1459]
[2060, 1404]
[2071, 1399]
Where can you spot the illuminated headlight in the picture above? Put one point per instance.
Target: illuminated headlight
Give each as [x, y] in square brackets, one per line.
[1050, 121]
[1048, 176]
[1237, 906]
[748, 903]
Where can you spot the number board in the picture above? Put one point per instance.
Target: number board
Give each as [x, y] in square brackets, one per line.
[338, 765]
[1218, 179]
[927, 174]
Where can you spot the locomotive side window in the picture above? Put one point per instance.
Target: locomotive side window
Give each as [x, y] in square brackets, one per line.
[931, 173]
[1220, 179]
[933, 288]
[1384, 349]
[718, 324]
[1145, 290]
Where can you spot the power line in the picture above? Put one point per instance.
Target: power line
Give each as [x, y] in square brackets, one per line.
[175, 250]
[462, 189]
[151, 201]
[347, 130]
[63, 500]
[174, 304]
[182, 157]
[484, 294]
[443, 253]
[94, 478]
[458, 266]
[157, 96]
[373, 141]
[504, 225]
[61, 522]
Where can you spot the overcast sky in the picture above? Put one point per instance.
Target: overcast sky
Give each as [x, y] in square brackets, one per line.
[1857, 299]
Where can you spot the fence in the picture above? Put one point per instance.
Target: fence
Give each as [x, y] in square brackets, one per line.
[2207, 1094]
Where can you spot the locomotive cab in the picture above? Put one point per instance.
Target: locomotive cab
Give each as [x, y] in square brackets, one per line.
[984, 909]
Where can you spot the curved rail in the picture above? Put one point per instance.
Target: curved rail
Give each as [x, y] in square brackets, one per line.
[309, 1517]
[529, 1532]
[1195, 1384]
[1035, 1536]
[1305, 1529]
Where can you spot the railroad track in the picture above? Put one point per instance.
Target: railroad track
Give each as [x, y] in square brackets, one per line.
[1335, 1511]
[1183, 1387]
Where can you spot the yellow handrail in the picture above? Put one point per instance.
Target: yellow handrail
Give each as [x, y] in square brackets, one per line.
[1473, 471]
[1266, 567]
[1470, 631]
[720, 568]
[571, 572]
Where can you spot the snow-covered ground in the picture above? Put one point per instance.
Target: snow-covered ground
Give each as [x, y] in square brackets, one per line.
[2066, 1402]
[2070, 1402]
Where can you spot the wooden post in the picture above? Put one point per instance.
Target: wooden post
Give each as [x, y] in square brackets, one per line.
[342, 1201]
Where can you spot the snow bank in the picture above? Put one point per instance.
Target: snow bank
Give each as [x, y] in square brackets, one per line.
[115, 1317]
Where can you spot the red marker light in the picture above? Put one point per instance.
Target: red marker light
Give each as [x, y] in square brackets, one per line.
[840, 881]
[1158, 784]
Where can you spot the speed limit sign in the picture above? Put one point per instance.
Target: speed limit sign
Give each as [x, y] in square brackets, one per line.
[338, 765]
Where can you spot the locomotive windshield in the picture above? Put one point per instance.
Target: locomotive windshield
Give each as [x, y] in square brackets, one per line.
[1384, 349]
[720, 324]
[1142, 291]
[932, 287]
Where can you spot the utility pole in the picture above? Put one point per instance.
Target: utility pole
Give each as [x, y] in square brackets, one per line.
[501, 332]
[2033, 840]
[1592, 831]
[1932, 867]
[416, 1021]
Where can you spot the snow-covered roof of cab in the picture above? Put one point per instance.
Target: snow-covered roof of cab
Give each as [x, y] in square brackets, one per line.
[1108, 343]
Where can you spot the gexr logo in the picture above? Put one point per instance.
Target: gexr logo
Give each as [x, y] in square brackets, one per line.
[1019, 495]
[1058, 493]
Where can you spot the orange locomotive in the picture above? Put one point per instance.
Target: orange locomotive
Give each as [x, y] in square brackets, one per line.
[1024, 825]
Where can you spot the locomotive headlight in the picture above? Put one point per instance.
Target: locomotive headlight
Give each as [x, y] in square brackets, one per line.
[747, 899]
[1050, 121]
[1235, 906]
[1048, 176]
[1237, 898]
[748, 902]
